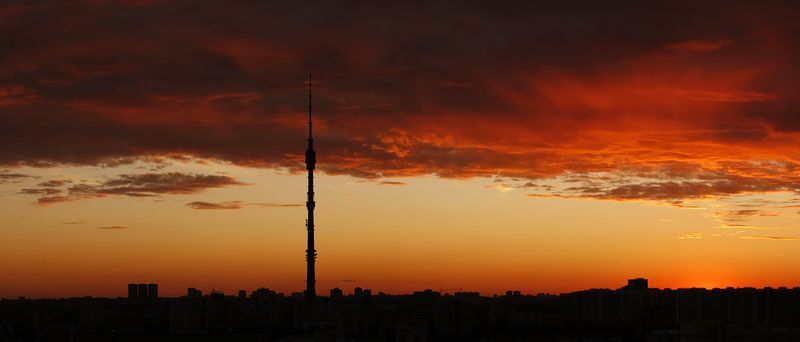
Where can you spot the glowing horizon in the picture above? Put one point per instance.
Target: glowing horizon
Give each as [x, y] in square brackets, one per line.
[471, 240]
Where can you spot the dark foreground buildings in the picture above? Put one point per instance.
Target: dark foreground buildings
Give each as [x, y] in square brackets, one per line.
[631, 313]
[142, 292]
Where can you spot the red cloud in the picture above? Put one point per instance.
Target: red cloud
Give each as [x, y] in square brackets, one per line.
[682, 100]
[16, 95]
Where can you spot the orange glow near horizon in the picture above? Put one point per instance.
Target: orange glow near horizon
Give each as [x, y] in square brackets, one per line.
[477, 149]
[407, 235]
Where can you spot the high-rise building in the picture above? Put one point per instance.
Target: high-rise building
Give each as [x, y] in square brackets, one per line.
[311, 253]
[142, 289]
[133, 293]
[152, 291]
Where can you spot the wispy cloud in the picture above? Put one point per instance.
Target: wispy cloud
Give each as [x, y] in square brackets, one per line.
[200, 205]
[132, 185]
[42, 191]
[276, 205]
[735, 226]
[392, 183]
[203, 205]
[54, 183]
[691, 236]
[765, 237]
[113, 227]
[6, 176]
[742, 215]
[661, 184]
[738, 226]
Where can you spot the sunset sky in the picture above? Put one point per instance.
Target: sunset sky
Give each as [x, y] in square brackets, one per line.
[511, 146]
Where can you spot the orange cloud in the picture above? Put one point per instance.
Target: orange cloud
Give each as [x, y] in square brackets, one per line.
[648, 102]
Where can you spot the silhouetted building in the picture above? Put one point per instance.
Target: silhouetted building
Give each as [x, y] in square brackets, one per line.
[636, 284]
[635, 299]
[193, 293]
[631, 313]
[152, 291]
[142, 290]
[263, 293]
[427, 295]
[336, 293]
[133, 292]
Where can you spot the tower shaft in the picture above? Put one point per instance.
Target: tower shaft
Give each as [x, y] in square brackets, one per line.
[311, 253]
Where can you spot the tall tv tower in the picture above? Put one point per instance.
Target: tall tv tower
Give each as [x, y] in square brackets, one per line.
[311, 253]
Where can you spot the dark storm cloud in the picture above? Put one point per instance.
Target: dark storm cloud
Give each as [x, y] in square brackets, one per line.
[529, 90]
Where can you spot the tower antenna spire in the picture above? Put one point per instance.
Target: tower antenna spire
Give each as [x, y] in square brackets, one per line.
[311, 253]
[309, 108]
